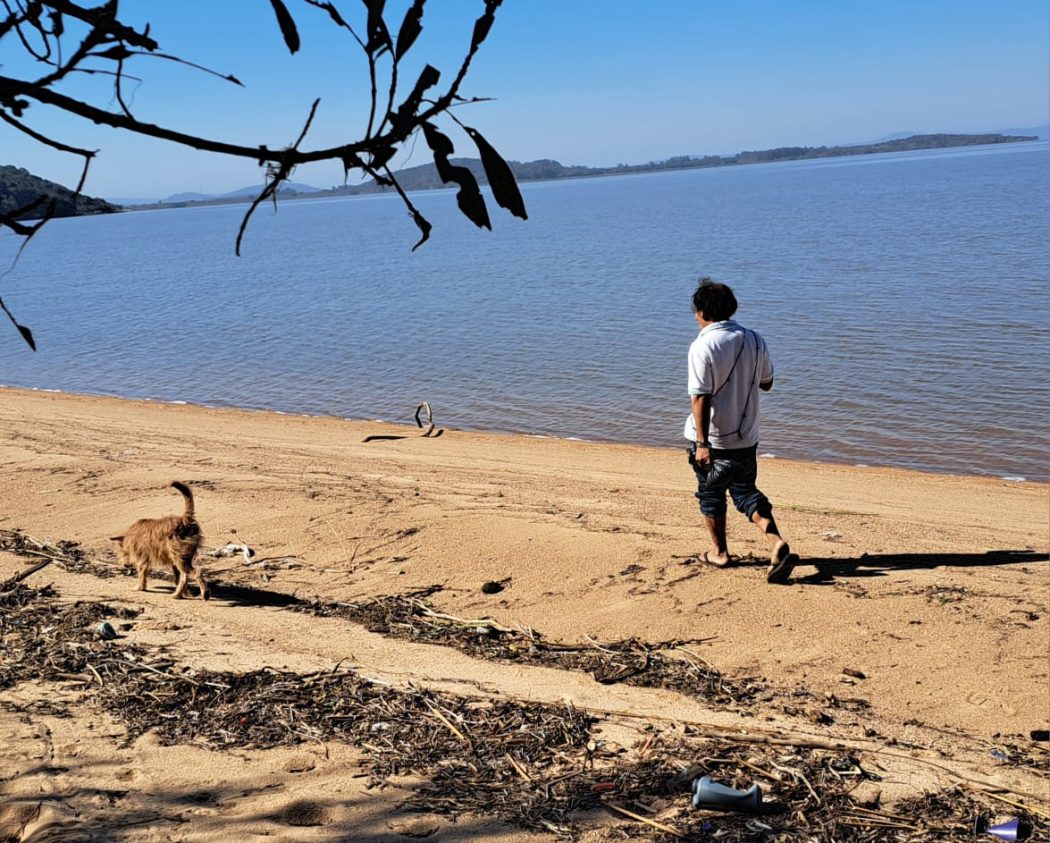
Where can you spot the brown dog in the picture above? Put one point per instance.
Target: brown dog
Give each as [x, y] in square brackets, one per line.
[159, 542]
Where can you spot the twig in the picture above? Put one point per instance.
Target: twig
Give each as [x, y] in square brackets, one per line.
[519, 768]
[21, 575]
[145, 666]
[434, 710]
[1031, 808]
[657, 825]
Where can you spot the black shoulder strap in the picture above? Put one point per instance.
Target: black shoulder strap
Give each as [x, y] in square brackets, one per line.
[754, 379]
[736, 359]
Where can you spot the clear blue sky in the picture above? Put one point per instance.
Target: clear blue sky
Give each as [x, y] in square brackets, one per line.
[584, 81]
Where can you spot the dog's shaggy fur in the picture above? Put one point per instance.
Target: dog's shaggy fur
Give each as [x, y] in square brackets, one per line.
[162, 542]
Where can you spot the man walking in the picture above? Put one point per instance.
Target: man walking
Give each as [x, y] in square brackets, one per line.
[728, 366]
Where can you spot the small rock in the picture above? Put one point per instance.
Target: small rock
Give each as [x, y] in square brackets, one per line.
[417, 828]
[866, 795]
[852, 671]
[492, 587]
[1039, 734]
[300, 764]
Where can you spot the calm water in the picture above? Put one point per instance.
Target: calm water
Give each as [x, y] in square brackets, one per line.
[904, 297]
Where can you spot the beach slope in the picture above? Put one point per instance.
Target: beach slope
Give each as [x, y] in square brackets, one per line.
[921, 600]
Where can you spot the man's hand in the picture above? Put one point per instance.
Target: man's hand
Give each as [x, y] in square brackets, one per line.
[703, 455]
[701, 407]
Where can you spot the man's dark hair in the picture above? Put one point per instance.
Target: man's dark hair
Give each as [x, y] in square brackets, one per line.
[716, 301]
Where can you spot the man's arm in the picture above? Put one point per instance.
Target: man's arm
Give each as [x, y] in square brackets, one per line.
[702, 421]
[766, 382]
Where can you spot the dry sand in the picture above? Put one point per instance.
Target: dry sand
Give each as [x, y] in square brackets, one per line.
[911, 579]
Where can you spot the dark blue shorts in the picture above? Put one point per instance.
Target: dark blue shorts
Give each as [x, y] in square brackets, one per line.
[733, 470]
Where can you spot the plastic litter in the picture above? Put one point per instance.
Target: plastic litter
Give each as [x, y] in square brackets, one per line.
[708, 793]
[1012, 829]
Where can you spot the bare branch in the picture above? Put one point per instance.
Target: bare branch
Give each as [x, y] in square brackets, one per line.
[61, 147]
[103, 19]
[27, 335]
[228, 77]
[422, 223]
[277, 178]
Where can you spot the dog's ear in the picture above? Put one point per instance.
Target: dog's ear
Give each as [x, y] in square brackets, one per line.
[117, 539]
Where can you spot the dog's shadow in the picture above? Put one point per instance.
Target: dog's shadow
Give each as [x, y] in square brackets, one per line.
[246, 595]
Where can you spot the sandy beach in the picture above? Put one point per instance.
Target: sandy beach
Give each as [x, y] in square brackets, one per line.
[923, 596]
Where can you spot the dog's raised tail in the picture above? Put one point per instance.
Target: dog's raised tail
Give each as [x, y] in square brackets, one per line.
[187, 494]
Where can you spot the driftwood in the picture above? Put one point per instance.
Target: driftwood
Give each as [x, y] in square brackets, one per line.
[21, 575]
[429, 432]
[425, 406]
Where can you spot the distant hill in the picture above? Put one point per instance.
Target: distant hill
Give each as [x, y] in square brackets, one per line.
[248, 192]
[425, 177]
[131, 200]
[252, 190]
[188, 197]
[1042, 132]
[19, 187]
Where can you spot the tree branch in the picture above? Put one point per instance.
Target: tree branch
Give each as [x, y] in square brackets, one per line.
[277, 178]
[108, 39]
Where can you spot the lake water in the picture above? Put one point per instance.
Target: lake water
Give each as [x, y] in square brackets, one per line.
[904, 298]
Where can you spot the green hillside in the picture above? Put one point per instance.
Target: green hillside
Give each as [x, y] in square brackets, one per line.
[19, 187]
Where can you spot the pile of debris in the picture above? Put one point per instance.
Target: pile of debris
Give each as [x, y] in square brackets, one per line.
[667, 665]
[67, 555]
[533, 765]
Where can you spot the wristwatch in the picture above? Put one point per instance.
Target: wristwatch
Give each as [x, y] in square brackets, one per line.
[704, 444]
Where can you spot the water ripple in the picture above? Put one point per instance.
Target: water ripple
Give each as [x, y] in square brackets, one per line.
[905, 305]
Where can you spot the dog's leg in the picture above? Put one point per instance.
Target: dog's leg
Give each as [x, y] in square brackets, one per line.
[181, 582]
[143, 570]
[201, 584]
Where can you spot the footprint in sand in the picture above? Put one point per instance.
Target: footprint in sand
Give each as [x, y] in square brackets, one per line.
[992, 702]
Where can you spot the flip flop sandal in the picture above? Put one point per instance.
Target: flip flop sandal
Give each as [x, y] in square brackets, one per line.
[707, 560]
[782, 565]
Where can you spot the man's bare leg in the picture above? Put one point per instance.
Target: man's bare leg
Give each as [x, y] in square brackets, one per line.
[716, 526]
[780, 554]
[768, 528]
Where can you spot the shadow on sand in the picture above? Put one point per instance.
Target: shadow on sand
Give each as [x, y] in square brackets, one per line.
[246, 595]
[881, 564]
[378, 437]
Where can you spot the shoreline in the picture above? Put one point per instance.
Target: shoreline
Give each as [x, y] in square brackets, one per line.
[764, 457]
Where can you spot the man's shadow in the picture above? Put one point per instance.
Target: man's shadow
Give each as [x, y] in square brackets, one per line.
[881, 564]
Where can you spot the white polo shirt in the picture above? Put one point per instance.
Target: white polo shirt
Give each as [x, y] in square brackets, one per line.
[729, 361]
